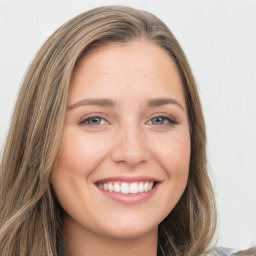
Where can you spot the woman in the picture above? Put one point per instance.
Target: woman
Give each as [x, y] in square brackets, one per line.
[106, 149]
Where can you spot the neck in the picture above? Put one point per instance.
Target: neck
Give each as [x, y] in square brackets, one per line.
[86, 243]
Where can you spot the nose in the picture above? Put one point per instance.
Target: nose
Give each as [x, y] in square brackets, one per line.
[130, 147]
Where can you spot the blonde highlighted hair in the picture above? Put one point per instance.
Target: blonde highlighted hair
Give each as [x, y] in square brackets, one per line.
[30, 216]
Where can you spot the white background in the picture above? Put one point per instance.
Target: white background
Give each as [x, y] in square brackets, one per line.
[219, 39]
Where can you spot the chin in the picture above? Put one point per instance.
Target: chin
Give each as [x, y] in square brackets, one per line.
[131, 229]
[130, 233]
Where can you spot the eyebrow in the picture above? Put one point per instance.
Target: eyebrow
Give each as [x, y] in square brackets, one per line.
[163, 101]
[95, 102]
[111, 103]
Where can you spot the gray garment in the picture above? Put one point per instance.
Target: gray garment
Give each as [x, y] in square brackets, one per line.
[221, 251]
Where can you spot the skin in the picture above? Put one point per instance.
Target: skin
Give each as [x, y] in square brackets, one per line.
[126, 142]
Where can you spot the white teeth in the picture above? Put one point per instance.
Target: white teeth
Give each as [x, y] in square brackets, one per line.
[110, 187]
[141, 187]
[134, 188]
[117, 187]
[150, 185]
[146, 187]
[126, 188]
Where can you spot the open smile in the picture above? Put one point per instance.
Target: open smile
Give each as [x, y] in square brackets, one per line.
[129, 190]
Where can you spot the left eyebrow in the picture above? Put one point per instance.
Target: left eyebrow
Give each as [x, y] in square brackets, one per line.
[163, 101]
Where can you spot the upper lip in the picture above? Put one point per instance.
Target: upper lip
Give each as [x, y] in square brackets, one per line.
[127, 179]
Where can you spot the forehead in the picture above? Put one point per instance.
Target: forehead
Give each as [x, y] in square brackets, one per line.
[140, 67]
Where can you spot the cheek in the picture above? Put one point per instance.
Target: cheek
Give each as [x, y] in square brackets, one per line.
[173, 153]
[76, 160]
[80, 154]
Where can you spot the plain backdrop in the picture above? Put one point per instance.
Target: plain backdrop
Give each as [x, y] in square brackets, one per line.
[219, 39]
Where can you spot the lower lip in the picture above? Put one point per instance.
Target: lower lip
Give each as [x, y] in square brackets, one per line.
[130, 198]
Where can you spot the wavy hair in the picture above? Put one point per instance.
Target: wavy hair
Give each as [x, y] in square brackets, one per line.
[30, 215]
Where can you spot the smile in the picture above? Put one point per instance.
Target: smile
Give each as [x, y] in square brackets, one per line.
[127, 188]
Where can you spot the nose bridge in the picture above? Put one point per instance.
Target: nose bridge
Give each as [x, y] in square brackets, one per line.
[130, 146]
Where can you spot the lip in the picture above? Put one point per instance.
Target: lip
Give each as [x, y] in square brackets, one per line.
[128, 179]
[129, 199]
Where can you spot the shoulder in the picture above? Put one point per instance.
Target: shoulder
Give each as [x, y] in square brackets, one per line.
[222, 251]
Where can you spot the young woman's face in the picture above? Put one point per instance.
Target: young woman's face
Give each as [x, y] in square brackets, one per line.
[126, 130]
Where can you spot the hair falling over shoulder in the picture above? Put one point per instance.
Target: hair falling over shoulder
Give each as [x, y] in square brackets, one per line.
[30, 216]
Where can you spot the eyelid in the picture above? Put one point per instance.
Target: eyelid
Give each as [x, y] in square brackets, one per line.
[170, 118]
[96, 115]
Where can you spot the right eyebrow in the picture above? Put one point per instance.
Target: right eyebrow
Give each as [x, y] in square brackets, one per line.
[95, 102]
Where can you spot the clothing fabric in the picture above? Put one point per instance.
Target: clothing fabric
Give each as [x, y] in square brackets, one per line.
[221, 251]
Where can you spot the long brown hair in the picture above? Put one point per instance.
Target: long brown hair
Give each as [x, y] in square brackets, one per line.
[30, 216]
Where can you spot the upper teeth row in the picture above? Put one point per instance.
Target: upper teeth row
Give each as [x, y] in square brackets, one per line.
[126, 188]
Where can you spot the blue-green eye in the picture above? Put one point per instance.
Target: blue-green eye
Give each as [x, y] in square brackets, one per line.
[161, 120]
[94, 120]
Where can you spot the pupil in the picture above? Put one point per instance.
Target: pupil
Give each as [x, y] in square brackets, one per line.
[158, 120]
[95, 120]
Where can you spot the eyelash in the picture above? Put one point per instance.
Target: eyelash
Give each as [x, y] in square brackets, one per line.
[168, 118]
[84, 121]
[171, 120]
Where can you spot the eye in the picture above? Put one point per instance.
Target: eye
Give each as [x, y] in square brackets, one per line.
[162, 120]
[94, 120]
